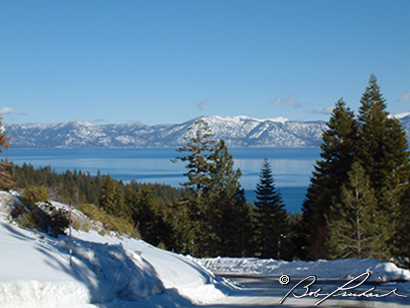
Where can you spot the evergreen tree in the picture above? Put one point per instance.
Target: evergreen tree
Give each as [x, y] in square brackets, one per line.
[183, 227]
[198, 163]
[216, 213]
[385, 158]
[271, 217]
[149, 219]
[383, 141]
[339, 149]
[200, 146]
[227, 216]
[131, 202]
[360, 230]
[112, 198]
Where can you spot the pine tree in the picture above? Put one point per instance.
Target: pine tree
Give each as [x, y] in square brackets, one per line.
[198, 163]
[360, 230]
[271, 217]
[223, 178]
[339, 149]
[374, 131]
[227, 216]
[216, 212]
[150, 221]
[385, 158]
[131, 202]
[111, 199]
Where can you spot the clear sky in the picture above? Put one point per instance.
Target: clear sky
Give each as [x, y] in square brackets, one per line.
[160, 62]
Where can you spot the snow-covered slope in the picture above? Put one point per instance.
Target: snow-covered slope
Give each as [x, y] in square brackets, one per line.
[238, 131]
[36, 272]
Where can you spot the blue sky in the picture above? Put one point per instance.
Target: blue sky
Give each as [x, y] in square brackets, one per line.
[160, 62]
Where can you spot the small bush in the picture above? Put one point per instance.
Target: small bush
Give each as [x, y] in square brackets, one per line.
[33, 195]
[161, 245]
[55, 221]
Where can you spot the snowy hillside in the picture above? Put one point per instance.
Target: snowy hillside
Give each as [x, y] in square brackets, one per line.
[36, 272]
[238, 131]
[109, 271]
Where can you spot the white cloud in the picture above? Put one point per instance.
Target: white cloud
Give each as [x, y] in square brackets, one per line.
[289, 100]
[202, 104]
[6, 110]
[327, 110]
[405, 97]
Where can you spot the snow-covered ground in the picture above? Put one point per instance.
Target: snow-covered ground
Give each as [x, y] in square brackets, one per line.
[36, 272]
[109, 271]
[345, 269]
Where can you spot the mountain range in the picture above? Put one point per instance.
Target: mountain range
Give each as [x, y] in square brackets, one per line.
[240, 131]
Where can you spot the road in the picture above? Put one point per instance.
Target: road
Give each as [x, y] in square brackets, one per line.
[268, 292]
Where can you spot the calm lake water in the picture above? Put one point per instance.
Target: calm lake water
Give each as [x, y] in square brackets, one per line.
[291, 168]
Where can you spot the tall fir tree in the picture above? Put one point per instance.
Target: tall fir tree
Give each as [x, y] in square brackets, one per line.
[271, 217]
[385, 158]
[383, 144]
[198, 164]
[358, 230]
[227, 216]
[339, 148]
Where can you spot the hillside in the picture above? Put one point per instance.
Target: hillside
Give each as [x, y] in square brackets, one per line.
[109, 270]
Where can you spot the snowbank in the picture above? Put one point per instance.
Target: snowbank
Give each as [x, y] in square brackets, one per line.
[116, 272]
[323, 269]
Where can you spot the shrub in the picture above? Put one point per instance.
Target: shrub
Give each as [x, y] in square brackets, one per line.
[55, 221]
[33, 195]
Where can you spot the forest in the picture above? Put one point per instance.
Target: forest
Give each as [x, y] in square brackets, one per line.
[356, 206]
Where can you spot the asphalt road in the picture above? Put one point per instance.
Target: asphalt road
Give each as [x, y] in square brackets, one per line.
[268, 292]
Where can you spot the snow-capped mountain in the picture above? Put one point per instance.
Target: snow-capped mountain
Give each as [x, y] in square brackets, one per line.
[240, 131]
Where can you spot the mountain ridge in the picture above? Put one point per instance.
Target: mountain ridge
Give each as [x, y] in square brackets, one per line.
[239, 131]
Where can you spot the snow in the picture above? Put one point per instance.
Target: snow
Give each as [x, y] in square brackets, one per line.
[324, 269]
[241, 119]
[110, 271]
[36, 272]
[400, 116]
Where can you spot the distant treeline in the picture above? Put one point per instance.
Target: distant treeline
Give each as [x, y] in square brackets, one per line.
[81, 187]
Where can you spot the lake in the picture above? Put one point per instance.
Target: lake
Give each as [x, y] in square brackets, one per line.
[291, 168]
